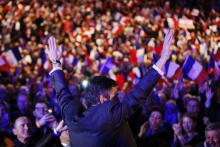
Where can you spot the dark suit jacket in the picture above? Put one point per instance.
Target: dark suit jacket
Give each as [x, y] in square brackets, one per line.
[104, 124]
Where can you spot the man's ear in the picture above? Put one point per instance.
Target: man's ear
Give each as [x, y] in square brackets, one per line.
[102, 99]
[14, 131]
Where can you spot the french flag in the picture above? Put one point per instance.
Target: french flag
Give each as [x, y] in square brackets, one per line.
[9, 59]
[171, 70]
[172, 22]
[120, 79]
[157, 16]
[13, 56]
[140, 55]
[107, 66]
[71, 60]
[137, 56]
[4, 65]
[117, 29]
[137, 73]
[193, 70]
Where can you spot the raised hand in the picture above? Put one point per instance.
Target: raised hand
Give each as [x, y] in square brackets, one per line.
[209, 94]
[166, 44]
[61, 127]
[53, 51]
[143, 129]
[177, 129]
[166, 52]
[46, 119]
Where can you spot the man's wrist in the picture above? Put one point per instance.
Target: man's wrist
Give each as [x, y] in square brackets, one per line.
[56, 132]
[207, 103]
[56, 66]
[55, 62]
[158, 69]
[38, 124]
[161, 62]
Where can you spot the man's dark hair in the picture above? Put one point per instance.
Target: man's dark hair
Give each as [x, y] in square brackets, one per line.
[98, 85]
[213, 126]
[191, 116]
[158, 109]
[13, 120]
[39, 101]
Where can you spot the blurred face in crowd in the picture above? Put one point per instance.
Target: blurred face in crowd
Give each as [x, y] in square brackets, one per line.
[22, 129]
[192, 106]
[156, 119]
[213, 138]
[40, 110]
[22, 102]
[188, 124]
[162, 98]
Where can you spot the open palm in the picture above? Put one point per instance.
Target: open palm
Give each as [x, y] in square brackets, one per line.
[166, 44]
[53, 51]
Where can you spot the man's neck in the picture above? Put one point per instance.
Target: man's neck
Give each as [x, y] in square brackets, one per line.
[23, 140]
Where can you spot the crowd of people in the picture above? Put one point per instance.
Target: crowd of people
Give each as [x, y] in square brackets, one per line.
[178, 112]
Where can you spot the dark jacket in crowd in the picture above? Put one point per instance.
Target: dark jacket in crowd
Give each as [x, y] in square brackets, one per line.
[46, 140]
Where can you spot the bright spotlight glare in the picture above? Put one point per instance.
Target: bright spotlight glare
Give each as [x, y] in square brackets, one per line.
[85, 83]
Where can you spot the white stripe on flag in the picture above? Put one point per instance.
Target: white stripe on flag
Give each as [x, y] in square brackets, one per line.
[195, 70]
[140, 55]
[112, 75]
[172, 69]
[11, 58]
[170, 22]
[137, 72]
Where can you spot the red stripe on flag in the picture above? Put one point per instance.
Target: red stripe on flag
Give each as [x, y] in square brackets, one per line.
[4, 66]
[217, 56]
[202, 77]
[177, 74]
[120, 80]
[133, 58]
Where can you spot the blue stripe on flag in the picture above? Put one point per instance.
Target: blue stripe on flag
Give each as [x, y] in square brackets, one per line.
[155, 58]
[75, 61]
[16, 53]
[167, 67]
[106, 66]
[43, 56]
[187, 66]
[211, 64]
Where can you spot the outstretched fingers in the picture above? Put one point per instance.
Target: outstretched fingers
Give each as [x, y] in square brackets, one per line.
[59, 51]
[169, 36]
[52, 43]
